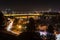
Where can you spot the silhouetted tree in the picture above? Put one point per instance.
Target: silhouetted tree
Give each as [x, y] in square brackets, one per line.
[50, 29]
[2, 19]
[31, 24]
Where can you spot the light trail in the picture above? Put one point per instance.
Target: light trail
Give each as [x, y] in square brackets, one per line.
[9, 26]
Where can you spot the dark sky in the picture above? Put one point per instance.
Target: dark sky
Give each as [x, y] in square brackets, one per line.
[30, 4]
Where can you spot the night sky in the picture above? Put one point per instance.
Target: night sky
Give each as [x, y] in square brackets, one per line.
[30, 4]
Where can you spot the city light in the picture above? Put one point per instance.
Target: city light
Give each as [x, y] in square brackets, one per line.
[19, 26]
